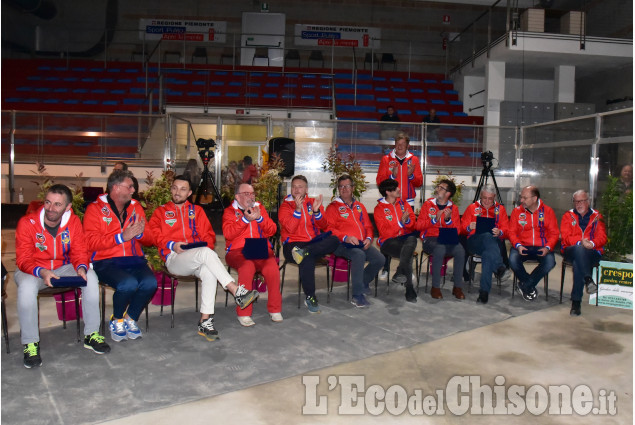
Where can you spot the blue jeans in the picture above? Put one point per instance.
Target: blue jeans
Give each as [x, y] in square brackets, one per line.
[134, 285]
[583, 261]
[486, 245]
[528, 281]
[438, 252]
[362, 276]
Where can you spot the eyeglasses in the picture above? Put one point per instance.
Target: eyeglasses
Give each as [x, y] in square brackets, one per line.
[247, 193]
[127, 186]
[345, 186]
[442, 187]
[581, 201]
[526, 197]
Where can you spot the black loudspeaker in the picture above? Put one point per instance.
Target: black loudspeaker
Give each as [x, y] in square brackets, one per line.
[286, 149]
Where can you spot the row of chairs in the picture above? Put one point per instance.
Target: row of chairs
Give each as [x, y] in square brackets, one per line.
[330, 275]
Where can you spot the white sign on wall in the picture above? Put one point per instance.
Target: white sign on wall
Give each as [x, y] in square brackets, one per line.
[183, 29]
[340, 36]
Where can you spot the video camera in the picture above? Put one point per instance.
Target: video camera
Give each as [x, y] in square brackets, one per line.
[205, 149]
[487, 158]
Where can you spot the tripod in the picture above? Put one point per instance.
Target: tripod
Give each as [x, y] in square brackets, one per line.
[485, 174]
[203, 193]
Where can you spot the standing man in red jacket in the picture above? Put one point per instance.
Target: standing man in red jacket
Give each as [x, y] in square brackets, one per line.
[402, 166]
[583, 237]
[179, 223]
[244, 221]
[114, 226]
[302, 222]
[533, 233]
[436, 213]
[349, 222]
[396, 222]
[49, 244]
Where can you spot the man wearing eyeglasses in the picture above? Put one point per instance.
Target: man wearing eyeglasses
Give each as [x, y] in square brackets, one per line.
[437, 213]
[247, 227]
[178, 224]
[114, 226]
[533, 233]
[583, 237]
[348, 220]
[486, 243]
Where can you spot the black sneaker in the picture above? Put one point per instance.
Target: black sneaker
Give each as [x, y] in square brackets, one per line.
[243, 297]
[483, 297]
[32, 355]
[527, 296]
[591, 287]
[97, 343]
[312, 304]
[500, 272]
[575, 308]
[206, 329]
[411, 294]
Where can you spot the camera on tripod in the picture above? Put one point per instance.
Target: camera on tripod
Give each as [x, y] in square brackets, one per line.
[487, 157]
[205, 149]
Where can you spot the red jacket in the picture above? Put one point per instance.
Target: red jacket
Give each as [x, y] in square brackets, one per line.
[388, 219]
[104, 232]
[427, 222]
[496, 211]
[37, 249]
[539, 228]
[571, 233]
[236, 228]
[345, 221]
[407, 183]
[300, 226]
[187, 223]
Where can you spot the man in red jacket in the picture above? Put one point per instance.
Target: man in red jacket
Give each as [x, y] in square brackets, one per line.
[349, 222]
[179, 223]
[486, 244]
[114, 227]
[402, 166]
[302, 222]
[49, 245]
[583, 237]
[533, 233]
[396, 222]
[436, 213]
[247, 227]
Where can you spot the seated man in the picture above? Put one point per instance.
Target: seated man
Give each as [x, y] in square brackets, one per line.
[583, 237]
[440, 213]
[486, 244]
[396, 222]
[302, 222]
[349, 221]
[179, 223]
[533, 232]
[49, 244]
[114, 227]
[245, 221]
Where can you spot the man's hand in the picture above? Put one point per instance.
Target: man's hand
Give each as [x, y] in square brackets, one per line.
[47, 275]
[177, 247]
[472, 225]
[81, 272]
[496, 231]
[395, 170]
[411, 168]
[252, 213]
[587, 243]
[352, 240]
[522, 250]
[543, 251]
[299, 201]
[367, 243]
[317, 203]
[404, 218]
[447, 212]
[134, 230]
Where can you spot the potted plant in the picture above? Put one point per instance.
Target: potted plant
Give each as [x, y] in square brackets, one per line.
[45, 181]
[337, 166]
[458, 195]
[617, 208]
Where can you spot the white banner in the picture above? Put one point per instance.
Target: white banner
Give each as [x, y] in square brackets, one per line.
[183, 29]
[340, 36]
[615, 286]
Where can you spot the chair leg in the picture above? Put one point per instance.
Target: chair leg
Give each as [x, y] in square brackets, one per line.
[284, 270]
[299, 290]
[162, 289]
[348, 281]
[147, 318]
[5, 329]
[546, 287]
[77, 313]
[63, 295]
[172, 302]
[328, 291]
[102, 326]
[564, 268]
[196, 294]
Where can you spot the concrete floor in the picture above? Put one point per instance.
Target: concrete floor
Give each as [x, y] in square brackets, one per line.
[536, 350]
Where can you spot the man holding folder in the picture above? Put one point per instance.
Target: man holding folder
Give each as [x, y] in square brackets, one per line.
[439, 223]
[485, 222]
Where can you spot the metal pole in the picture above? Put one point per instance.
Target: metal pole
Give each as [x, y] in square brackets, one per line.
[12, 160]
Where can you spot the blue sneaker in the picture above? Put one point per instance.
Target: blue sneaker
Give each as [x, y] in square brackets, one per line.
[118, 330]
[132, 330]
[359, 301]
[312, 304]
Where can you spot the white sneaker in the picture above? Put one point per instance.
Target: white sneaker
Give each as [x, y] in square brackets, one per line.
[276, 317]
[383, 274]
[246, 321]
